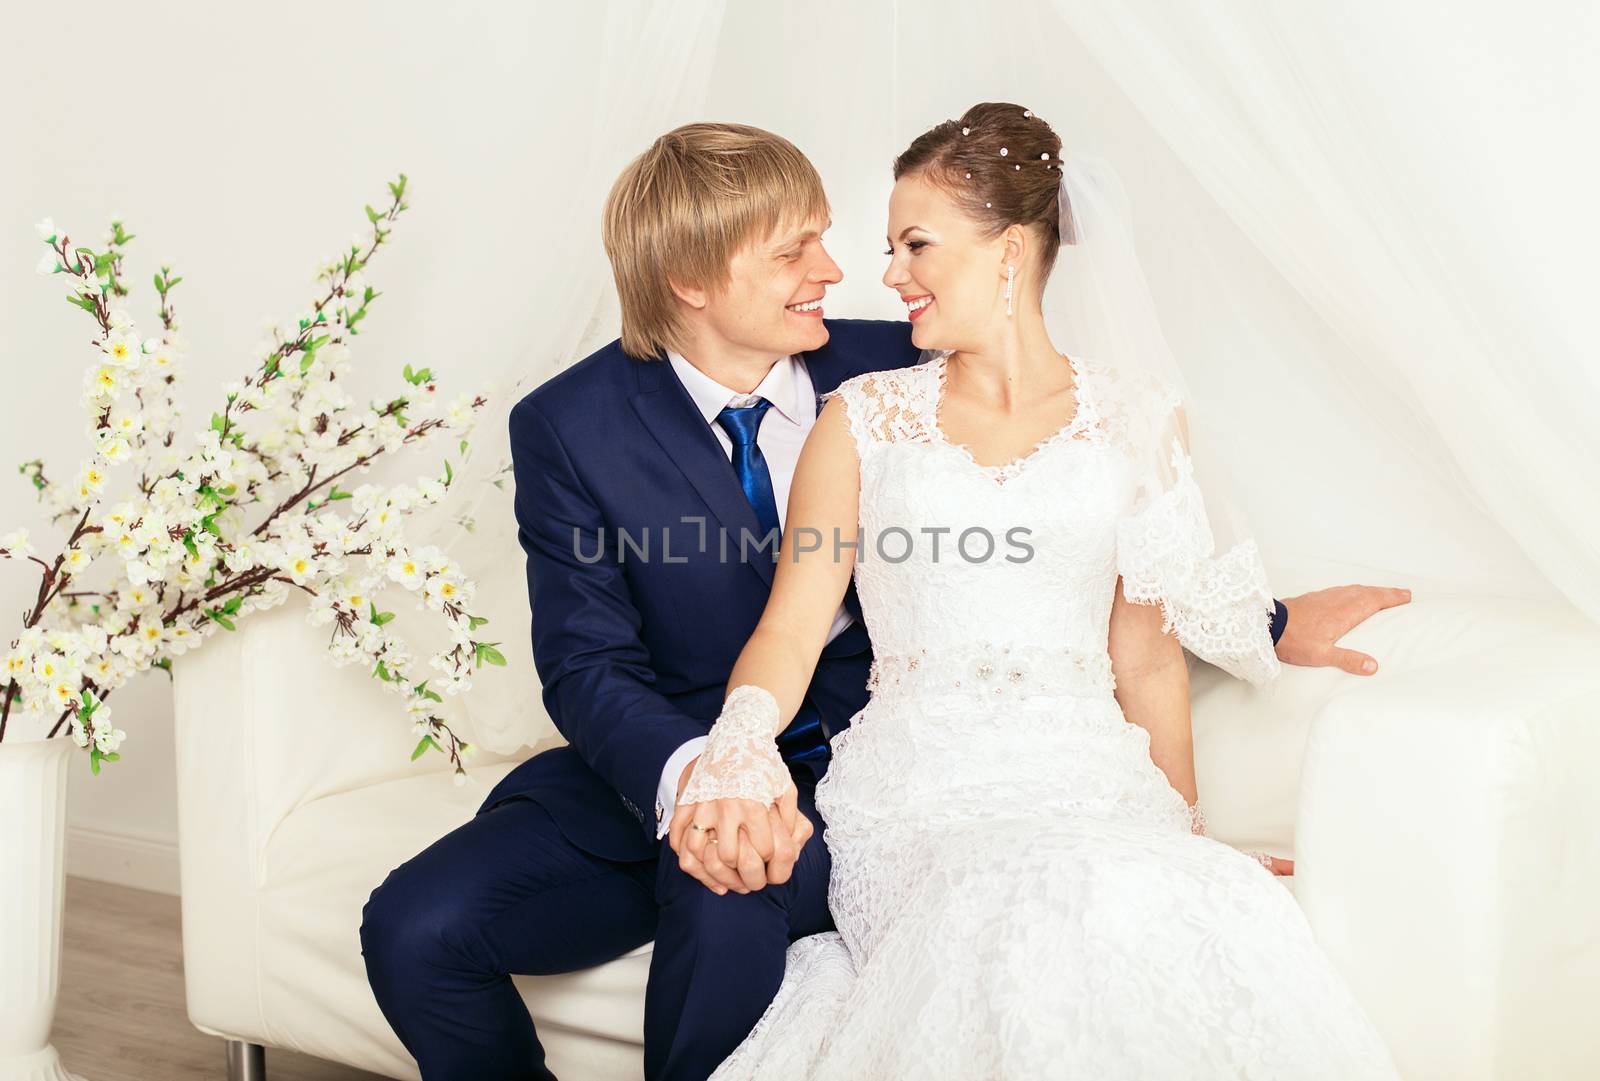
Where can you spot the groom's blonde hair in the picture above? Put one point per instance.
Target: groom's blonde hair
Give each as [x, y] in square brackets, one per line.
[680, 211]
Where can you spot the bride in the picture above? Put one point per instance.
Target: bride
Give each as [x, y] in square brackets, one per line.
[1021, 882]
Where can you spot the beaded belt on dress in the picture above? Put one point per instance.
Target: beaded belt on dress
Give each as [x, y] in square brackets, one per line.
[1000, 670]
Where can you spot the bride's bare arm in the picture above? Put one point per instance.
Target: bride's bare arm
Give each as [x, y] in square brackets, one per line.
[813, 570]
[1153, 687]
[779, 659]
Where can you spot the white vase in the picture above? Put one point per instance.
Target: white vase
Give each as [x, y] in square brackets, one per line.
[33, 824]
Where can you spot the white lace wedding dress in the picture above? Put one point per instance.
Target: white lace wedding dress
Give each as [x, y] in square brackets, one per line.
[1017, 890]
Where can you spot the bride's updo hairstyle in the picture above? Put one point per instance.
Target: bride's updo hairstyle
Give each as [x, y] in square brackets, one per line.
[1002, 166]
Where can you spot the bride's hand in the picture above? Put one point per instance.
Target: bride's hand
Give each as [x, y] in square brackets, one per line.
[739, 845]
[1197, 826]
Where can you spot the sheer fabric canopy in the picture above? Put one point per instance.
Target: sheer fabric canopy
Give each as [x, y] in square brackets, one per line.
[1369, 234]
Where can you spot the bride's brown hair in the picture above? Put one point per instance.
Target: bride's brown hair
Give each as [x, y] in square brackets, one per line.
[1002, 165]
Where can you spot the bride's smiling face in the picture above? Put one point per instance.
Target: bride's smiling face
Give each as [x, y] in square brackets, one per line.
[951, 277]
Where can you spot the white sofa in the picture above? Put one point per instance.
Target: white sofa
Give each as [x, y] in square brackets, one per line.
[1444, 815]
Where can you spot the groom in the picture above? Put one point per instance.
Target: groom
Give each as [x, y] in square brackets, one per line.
[649, 480]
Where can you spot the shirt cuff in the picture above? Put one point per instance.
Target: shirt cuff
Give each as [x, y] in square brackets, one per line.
[1280, 619]
[667, 790]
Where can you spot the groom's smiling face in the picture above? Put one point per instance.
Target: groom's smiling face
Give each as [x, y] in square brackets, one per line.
[772, 303]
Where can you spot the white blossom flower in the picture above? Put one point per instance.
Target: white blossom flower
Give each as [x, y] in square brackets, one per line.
[106, 737]
[105, 381]
[114, 450]
[181, 639]
[46, 229]
[48, 263]
[64, 693]
[298, 563]
[48, 667]
[122, 350]
[406, 570]
[16, 543]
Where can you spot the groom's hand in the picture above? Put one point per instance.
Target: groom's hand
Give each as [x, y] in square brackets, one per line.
[1318, 620]
[766, 841]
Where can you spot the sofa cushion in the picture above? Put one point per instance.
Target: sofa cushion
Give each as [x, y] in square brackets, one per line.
[319, 867]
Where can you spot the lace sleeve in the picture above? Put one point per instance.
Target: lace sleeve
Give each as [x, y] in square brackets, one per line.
[741, 759]
[884, 407]
[1219, 606]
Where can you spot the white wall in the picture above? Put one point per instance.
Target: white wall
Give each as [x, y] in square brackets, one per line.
[241, 145]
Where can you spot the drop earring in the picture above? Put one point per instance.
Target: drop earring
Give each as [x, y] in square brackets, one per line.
[1011, 272]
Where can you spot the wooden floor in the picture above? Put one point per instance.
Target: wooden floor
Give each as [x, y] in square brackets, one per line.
[121, 1014]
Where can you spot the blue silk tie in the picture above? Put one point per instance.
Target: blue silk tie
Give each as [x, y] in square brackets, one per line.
[741, 423]
[805, 738]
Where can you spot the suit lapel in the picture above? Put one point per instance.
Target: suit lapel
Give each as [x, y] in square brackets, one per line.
[667, 411]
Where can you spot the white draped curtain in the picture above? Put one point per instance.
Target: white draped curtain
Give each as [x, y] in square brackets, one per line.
[1424, 177]
[1369, 231]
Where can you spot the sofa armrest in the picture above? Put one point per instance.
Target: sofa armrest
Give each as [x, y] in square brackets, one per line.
[265, 723]
[1448, 856]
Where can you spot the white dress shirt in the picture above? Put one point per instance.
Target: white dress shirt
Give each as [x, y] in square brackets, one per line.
[783, 430]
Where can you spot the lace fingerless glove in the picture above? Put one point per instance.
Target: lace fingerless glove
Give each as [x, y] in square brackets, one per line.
[741, 759]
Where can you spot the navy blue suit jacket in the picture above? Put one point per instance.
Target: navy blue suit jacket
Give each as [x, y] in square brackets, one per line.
[634, 653]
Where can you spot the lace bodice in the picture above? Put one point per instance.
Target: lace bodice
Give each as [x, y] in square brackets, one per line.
[1015, 884]
[958, 556]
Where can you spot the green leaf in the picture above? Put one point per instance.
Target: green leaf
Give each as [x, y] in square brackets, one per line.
[422, 747]
[188, 542]
[114, 756]
[447, 473]
[382, 672]
[474, 622]
[407, 374]
[425, 375]
[307, 361]
[78, 300]
[336, 494]
[379, 618]
[160, 285]
[219, 619]
[487, 654]
[232, 607]
[94, 761]
[217, 423]
[372, 215]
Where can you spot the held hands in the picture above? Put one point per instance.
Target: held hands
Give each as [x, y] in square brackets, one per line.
[739, 783]
[721, 857]
[1318, 620]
